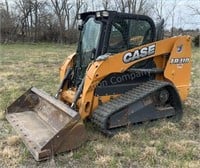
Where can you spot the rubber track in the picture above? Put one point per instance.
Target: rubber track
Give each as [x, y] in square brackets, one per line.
[106, 110]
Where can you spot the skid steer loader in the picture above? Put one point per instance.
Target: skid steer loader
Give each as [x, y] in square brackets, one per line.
[123, 72]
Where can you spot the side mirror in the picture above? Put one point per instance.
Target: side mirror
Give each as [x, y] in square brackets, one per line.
[93, 54]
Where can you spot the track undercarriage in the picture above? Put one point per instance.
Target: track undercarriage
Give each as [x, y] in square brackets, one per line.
[148, 101]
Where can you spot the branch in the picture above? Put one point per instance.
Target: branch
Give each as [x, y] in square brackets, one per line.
[195, 10]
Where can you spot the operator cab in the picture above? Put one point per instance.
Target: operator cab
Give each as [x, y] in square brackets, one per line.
[110, 32]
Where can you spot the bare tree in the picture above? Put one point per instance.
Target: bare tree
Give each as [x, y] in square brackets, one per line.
[141, 7]
[67, 11]
[158, 8]
[60, 7]
[24, 13]
[57, 19]
[35, 5]
[105, 4]
[168, 14]
[78, 5]
[5, 22]
[173, 16]
[132, 6]
[28, 12]
[121, 5]
[195, 9]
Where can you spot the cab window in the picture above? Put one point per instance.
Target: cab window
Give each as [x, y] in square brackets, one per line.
[129, 33]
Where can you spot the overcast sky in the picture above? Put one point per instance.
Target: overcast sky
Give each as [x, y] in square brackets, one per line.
[184, 16]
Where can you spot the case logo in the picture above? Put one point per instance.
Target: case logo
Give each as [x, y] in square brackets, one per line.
[140, 53]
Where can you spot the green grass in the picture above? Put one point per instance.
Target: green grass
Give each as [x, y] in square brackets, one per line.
[156, 144]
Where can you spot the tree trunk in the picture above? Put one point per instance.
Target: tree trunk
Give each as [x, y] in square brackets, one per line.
[36, 21]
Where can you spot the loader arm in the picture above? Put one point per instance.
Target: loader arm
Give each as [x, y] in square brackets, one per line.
[177, 49]
[68, 63]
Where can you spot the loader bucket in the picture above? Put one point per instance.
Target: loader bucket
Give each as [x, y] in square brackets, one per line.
[46, 125]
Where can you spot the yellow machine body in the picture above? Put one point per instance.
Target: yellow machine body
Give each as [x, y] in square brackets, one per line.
[176, 65]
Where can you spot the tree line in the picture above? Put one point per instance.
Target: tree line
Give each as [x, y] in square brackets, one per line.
[56, 20]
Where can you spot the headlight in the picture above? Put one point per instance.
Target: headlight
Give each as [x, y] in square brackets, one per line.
[98, 14]
[102, 14]
[105, 13]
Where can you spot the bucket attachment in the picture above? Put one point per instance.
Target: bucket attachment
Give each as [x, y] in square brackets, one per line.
[46, 125]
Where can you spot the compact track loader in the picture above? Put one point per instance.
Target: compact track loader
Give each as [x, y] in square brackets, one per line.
[123, 72]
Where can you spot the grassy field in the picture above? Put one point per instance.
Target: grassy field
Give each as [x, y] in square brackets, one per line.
[155, 144]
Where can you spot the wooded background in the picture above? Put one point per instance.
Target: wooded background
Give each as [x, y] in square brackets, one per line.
[56, 20]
